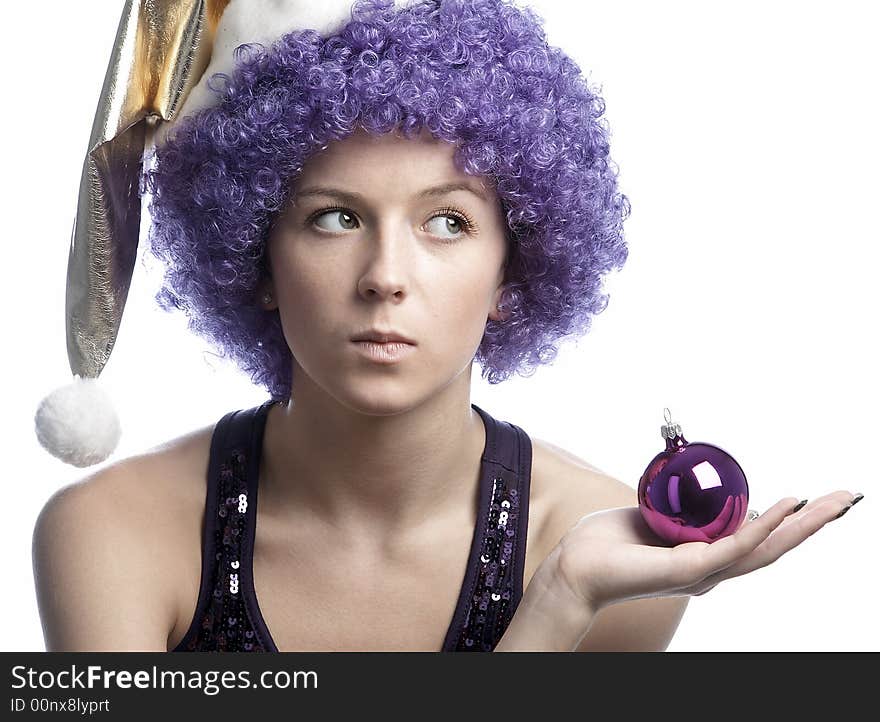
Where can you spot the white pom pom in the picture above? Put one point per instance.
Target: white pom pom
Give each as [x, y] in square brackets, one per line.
[77, 423]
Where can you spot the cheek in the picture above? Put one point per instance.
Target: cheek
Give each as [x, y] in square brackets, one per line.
[307, 298]
[307, 280]
[462, 309]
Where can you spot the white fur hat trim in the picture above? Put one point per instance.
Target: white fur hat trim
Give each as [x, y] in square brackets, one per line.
[264, 22]
[77, 423]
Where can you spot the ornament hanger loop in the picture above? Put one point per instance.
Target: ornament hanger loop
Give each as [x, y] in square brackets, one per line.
[667, 415]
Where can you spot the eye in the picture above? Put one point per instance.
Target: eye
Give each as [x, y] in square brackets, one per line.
[453, 220]
[338, 213]
[449, 222]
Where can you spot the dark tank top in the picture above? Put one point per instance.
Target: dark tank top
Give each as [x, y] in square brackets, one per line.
[227, 617]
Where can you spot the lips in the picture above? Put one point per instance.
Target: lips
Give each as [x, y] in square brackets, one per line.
[390, 352]
[383, 337]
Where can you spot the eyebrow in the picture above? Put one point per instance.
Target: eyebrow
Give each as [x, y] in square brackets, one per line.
[350, 196]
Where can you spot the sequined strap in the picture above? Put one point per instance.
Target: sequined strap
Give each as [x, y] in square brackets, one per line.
[494, 583]
[223, 621]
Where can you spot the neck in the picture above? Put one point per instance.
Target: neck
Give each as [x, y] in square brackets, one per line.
[370, 475]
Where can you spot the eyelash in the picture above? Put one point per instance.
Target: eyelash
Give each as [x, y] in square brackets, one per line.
[459, 215]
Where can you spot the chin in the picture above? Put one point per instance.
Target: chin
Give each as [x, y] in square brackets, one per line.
[388, 392]
[374, 397]
[376, 406]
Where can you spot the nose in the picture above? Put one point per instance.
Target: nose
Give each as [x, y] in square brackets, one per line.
[386, 266]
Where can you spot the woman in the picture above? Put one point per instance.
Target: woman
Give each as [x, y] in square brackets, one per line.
[363, 216]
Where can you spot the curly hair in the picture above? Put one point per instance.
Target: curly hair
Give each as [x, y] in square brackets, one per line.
[476, 73]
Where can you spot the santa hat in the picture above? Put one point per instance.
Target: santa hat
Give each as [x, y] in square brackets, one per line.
[164, 54]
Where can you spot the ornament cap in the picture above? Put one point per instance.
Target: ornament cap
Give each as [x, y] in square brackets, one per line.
[669, 430]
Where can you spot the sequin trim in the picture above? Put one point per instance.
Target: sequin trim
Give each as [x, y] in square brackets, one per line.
[225, 624]
[492, 600]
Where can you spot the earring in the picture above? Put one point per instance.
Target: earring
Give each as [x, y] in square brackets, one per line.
[267, 297]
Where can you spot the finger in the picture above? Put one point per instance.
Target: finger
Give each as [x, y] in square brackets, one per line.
[707, 589]
[841, 496]
[754, 513]
[785, 538]
[697, 560]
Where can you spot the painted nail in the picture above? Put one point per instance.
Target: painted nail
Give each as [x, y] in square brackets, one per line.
[800, 506]
[857, 499]
[844, 511]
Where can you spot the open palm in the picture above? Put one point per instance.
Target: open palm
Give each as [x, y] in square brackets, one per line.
[612, 555]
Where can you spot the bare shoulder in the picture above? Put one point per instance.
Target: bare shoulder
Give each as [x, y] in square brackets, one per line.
[144, 491]
[573, 486]
[577, 488]
[106, 550]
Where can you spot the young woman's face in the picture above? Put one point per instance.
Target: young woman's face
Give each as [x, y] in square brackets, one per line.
[363, 244]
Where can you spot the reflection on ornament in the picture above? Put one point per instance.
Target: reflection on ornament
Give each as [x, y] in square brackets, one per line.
[692, 491]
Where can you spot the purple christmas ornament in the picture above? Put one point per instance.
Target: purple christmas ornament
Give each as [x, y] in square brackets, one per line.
[692, 491]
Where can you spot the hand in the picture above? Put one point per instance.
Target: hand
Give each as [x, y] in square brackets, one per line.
[612, 555]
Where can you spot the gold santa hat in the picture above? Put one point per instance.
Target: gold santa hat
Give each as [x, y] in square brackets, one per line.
[164, 54]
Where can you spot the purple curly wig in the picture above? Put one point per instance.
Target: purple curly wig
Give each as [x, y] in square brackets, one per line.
[476, 73]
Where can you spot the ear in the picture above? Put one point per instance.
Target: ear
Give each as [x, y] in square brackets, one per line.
[266, 287]
[495, 313]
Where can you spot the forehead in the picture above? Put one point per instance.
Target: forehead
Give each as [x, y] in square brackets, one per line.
[387, 164]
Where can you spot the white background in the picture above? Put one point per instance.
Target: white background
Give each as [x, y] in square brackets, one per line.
[746, 135]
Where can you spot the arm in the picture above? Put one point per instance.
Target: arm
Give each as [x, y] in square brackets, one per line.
[635, 625]
[98, 584]
[549, 617]
[640, 625]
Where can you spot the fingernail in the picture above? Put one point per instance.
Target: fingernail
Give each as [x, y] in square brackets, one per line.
[844, 511]
[857, 499]
[800, 506]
